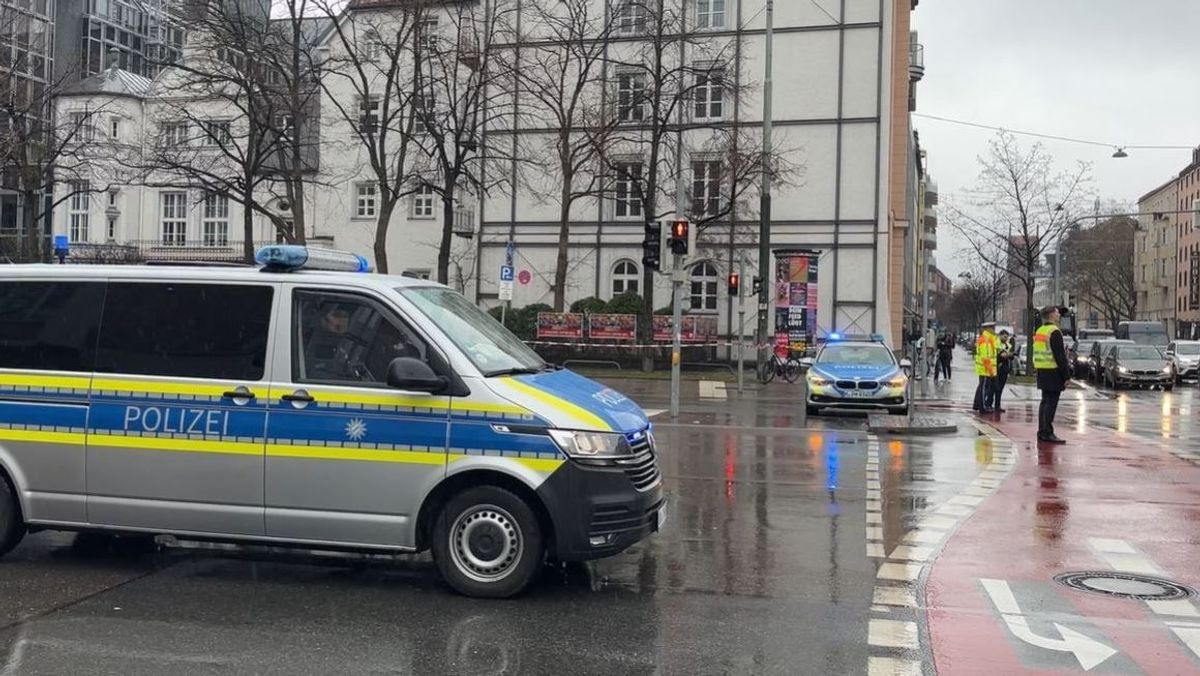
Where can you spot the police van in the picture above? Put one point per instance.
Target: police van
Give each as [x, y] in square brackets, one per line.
[301, 403]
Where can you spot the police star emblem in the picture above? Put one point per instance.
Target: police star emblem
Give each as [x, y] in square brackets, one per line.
[356, 429]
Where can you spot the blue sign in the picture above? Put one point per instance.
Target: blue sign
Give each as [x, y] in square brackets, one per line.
[510, 252]
[506, 273]
[61, 243]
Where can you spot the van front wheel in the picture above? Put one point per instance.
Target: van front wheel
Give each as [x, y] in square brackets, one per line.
[487, 543]
[12, 527]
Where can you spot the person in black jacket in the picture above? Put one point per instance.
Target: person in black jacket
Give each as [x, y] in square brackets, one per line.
[1004, 357]
[945, 353]
[1053, 372]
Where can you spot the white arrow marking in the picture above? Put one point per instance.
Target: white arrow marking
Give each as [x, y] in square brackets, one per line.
[1087, 651]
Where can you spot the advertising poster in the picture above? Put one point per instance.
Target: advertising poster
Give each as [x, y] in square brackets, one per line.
[704, 329]
[694, 329]
[795, 300]
[560, 325]
[612, 327]
[663, 328]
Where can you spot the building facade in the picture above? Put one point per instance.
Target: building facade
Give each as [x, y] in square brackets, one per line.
[1156, 254]
[1187, 294]
[843, 91]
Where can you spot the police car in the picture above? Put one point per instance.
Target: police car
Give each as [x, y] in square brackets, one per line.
[856, 374]
[306, 403]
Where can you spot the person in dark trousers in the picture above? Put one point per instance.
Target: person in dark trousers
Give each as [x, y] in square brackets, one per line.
[985, 367]
[1004, 357]
[1053, 372]
[945, 353]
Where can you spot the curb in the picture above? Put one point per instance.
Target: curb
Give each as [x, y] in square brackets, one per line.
[916, 425]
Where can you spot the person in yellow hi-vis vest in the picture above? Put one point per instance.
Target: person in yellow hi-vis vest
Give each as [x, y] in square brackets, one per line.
[985, 367]
[1053, 372]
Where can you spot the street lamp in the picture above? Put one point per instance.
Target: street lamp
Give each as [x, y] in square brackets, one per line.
[1120, 154]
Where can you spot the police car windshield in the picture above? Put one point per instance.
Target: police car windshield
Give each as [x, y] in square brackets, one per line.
[857, 355]
[490, 346]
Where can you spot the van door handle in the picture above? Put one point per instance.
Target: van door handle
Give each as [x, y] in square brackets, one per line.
[299, 396]
[241, 392]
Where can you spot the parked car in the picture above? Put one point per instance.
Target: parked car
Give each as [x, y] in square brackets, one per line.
[1097, 356]
[1137, 366]
[1019, 366]
[1078, 356]
[1184, 356]
[1095, 334]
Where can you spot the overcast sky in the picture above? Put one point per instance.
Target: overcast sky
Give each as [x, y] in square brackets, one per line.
[1125, 72]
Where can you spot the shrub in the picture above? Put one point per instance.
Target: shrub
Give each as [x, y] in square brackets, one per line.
[624, 304]
[588, 305]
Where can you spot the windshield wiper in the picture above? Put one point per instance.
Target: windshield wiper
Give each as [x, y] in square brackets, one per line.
[520, 370]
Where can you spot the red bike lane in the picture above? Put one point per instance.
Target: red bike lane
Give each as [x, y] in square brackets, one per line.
[1103, 503]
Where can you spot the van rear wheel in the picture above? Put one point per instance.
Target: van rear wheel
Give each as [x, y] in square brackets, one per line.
[12, 527]
[487, 543]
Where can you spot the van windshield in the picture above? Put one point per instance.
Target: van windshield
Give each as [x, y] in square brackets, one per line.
[490, 346]
[1148, 335]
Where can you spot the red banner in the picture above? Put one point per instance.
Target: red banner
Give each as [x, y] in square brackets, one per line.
[694, 329]
[612, 327]
[560, 325]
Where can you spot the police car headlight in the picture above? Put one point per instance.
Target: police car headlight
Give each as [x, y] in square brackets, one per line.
[1167, 369]
[1122, 369]
[591, 445]
[819, 381]
[898, 381]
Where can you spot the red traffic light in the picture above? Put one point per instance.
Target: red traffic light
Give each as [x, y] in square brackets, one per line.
[679, 230]
[735, 283]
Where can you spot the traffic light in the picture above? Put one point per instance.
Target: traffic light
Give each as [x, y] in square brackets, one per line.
[652, 246]
[735, 285]
[756, 286]
[679, 237]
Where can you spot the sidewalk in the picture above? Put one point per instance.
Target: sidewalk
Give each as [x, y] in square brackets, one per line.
[1107, 502]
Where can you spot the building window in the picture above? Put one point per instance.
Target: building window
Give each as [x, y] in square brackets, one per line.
[704, 287]
[706, 188]
[216, 133]
[630, 17]
[417, 274]
[372, 46]
[216, 220]
[112, 228]
[428, 32]
[368, 117]
[424, 202]
[365, 200]
[174, 218]
[285, 125]
[708, 97]
[114, 128]
[710, 13]
[628, 190]
[631, 97]
[81, 126]
[625, 278]
[78, 211]
[174, 134]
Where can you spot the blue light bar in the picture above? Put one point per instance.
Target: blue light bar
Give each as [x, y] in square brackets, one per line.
[289, 257]
[835, 336]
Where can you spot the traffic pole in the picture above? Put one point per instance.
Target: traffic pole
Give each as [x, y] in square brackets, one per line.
[741, 338]
[764, 215]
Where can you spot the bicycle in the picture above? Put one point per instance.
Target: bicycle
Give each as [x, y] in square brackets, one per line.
[788, 369]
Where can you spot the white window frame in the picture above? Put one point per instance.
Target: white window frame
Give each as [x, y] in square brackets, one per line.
[629, 17]
[174, 134]
[624, 281]
[114, 127]
[631, 96]
[112, 229]
[708, 95]
[79, 210]
[708, 17]
[214, 225]
[366, 199]
[706, 300]
[627, 204]
[372, 45]
[369, 108]
[285, 125]
[706, 186]
[429, 32]
[81, 125]
[217, 133]
[173, 217]
[424, 203]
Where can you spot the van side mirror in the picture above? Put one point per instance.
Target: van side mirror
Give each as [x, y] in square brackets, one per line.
[406, 373]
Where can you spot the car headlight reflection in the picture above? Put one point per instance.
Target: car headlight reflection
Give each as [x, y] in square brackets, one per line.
[592, 446]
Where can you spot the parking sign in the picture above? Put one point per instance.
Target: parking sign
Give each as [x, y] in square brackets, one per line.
[506, 273]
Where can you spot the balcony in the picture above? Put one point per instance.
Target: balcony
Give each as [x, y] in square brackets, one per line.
[916, 60]
[464, 222]
[931, 193]
[929, 241]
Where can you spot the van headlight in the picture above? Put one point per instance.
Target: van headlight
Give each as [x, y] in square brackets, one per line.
[596, 446]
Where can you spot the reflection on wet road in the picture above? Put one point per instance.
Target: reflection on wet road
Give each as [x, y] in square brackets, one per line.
[782, 532]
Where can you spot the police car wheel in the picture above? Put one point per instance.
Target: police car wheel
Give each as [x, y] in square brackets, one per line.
[12, 528]
[487, 543]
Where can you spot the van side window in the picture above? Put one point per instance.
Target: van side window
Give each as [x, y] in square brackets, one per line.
[49, 326]
[347, 339]
[216, 331]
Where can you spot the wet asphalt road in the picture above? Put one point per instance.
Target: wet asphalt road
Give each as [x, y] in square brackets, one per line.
[763, 567]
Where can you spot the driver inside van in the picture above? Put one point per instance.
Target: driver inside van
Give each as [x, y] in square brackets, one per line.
[329, 347]
[351, 342]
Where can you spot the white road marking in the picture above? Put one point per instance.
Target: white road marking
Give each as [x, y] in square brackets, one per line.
[1089, 652]
[941, 522]
[954, 510]
[924, 535]
[907, 553]
[892, 634]
[873, 484]
[652, 412]
[1177, 607]
[1124, 557]
[968, 500]
[712, 389]
[874, 505]
[895, 596]
[900, 571]
[874, 495]
[1190, 637]
[875, 550]
[874, 517]
[874, 533]
[890, 666]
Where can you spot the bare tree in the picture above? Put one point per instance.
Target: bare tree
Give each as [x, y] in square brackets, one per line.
[374, 57]
[238, 118]
[1101, 267]
[461, 90]
[39, 148]
[1021, 211]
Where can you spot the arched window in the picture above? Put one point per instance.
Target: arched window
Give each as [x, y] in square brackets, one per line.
[704, 287]
[625, 277]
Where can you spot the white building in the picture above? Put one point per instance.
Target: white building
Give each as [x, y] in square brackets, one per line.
[842, 93]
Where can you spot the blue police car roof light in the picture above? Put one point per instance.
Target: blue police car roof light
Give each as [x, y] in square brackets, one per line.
[290, 257]
[835, 336]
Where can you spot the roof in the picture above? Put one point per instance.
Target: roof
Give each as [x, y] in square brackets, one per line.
[201, 274]
[113, 82]
[1153, 193]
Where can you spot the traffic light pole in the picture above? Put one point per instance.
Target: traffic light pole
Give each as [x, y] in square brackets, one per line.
[764, 226]
[741, 297]
[676, 331]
